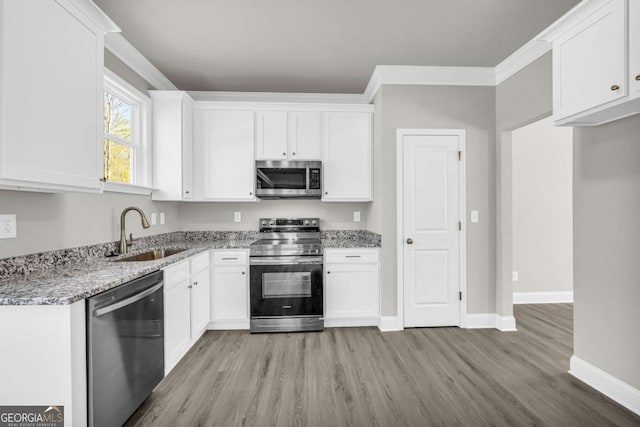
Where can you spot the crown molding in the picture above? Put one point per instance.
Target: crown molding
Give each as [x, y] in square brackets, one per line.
[427, 75]
[93, 13]
[127, 53]
[279, 97]
[519, 59]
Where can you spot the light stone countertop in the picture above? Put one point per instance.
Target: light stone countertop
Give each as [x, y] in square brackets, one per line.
[75, 281]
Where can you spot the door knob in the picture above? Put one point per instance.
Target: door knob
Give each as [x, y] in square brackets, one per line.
[409, 241]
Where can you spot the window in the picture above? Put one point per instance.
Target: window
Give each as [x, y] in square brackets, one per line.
[126, 114]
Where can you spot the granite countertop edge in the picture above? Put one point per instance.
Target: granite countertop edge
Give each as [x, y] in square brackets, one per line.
[66, 285]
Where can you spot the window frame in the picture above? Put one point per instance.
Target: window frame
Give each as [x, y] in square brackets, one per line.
[140, 140]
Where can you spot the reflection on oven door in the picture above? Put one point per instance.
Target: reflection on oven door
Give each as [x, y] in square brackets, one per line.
[286, 285]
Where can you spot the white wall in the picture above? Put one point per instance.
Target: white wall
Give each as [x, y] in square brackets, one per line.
[542, 207]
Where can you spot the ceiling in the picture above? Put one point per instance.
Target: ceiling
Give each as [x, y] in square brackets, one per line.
[324, 46]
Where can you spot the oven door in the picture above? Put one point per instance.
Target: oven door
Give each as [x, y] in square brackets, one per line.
[286, 286]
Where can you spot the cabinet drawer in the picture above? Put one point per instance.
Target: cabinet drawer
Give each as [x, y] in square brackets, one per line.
[199, 262]
[230, 257]
[175, 274]
[351, 255]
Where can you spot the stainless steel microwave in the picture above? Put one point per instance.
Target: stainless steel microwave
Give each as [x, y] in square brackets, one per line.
[285, 179]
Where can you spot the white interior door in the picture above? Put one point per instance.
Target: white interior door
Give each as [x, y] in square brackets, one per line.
[431, 229]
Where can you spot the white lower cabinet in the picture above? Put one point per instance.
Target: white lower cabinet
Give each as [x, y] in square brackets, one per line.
[230, 290]
[186, 306]
[352, 287]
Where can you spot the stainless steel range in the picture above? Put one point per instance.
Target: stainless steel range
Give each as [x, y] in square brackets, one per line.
[286, 276]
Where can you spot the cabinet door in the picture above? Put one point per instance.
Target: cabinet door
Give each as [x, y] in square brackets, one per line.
[200, 315]
[51, 83]
[351, 291]
[187, 153]
[304, 136]
[271, 135]
[229, 170]
[229, 295]
[589, 62]
[634, 47]
[177, 328]
[347, 157]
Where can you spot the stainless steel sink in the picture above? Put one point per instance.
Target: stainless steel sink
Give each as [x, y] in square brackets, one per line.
[151, 255]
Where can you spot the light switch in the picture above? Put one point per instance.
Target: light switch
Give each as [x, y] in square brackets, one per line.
[237, 217]
[154, 218]
[356, 216]
[161, 218]
[8, 227]
[514, 276]
[474, 217]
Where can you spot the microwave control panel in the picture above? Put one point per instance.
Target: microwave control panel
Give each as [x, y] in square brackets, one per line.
[314, 179]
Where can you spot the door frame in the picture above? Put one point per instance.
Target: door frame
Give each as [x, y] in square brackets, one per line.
[400, 134]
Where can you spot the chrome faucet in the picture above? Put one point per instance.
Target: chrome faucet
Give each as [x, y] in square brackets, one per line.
[124, 244]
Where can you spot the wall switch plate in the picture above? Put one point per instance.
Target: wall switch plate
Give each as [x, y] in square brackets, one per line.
[474, 217]
[237, 217]
[514, 276]
[161, 218]
[154, 218]
[356, 216]
[8, 227]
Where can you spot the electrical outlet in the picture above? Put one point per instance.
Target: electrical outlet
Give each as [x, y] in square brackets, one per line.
[154, 218]
[8, 227]
[514, 276]
[474, 217]
[356, 216]
[161, 218]
[237, 217]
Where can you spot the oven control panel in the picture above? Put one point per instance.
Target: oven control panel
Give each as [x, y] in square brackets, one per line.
[289, 224]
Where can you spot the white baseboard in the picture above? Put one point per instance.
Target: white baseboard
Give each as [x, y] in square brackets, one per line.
[490, 321]
[349, 322]
[228, 325]
[542, 297]
[390, 323]
[605, 383]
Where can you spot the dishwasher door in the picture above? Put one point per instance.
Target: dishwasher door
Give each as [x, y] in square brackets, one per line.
[125, 349]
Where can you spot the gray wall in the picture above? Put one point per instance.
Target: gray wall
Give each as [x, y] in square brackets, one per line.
[55, 221]
[219, 216]
[542, 207]
[453, 107]
[522, 99]
[606, 203]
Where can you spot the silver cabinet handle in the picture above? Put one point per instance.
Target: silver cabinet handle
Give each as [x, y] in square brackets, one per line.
[328, 272]
[409, 241]
[229, 259]
[243, 272]
[195, 283]
[352, 256]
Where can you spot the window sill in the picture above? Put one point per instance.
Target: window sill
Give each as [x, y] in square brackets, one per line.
[117, 187]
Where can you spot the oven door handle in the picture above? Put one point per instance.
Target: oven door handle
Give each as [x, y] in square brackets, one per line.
[285, 260]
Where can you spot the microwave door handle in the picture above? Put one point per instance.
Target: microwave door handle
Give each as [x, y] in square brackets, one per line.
[307, 176]
[265, 178]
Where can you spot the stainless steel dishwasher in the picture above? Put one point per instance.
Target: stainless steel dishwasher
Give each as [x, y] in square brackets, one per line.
[125, 349]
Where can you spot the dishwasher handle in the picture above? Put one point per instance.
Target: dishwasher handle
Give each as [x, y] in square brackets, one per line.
[127, 301]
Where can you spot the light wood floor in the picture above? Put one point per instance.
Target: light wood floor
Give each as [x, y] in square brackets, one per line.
[363, 377]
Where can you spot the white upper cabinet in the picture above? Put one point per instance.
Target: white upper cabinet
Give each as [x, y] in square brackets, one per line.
[595, 64]
[224, 151]
[282, 135]
[304, 135]
[51, 82]
[172, 145]
[347, 157]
